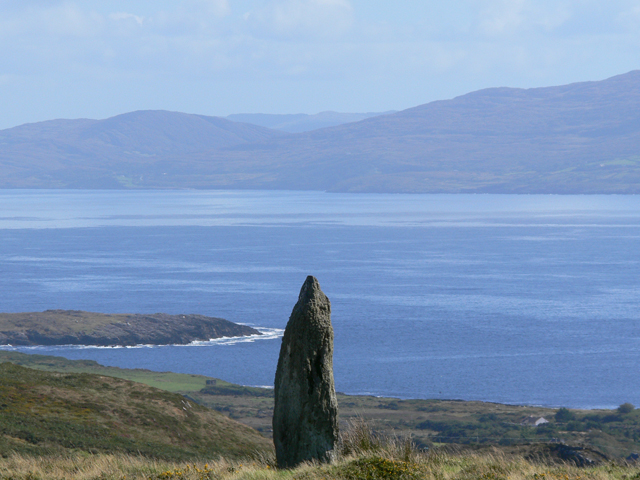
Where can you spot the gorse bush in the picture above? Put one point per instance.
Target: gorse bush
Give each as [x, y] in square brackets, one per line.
[626, 408]
[564, 415]
[379, 468]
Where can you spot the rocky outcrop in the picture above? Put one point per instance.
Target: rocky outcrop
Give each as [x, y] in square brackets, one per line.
[305, 418]
[75, 327]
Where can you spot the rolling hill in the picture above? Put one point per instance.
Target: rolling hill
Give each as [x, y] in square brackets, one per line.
[49, 413]
[112, 153]
[301, 122]
[578, 138]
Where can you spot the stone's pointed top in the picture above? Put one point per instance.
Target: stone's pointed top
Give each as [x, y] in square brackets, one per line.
[311, 290]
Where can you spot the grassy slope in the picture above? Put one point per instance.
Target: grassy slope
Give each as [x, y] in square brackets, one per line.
[48, 412]
[428, 422]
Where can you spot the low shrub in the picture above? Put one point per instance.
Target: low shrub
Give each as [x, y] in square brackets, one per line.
[379, 468]
[626, 408]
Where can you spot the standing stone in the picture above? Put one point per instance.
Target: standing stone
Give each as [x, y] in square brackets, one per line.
[305, 418]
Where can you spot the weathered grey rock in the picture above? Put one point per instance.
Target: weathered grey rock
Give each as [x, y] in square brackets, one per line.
[305, 418]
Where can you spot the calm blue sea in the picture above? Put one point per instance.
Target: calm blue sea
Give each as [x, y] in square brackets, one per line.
[527, 299]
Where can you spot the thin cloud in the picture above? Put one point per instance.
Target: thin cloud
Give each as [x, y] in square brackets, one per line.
[219, 8]
[301, 18]
[126, 17]
[517, 17]
[270, 54]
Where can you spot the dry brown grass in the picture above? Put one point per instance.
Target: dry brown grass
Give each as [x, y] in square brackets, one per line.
[363, 454]
[119, 467]
[384, 464]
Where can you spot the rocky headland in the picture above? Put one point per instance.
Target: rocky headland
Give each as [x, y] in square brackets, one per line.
[76, 327]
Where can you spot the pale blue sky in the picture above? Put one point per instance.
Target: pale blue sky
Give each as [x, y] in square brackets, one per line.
[95, 59]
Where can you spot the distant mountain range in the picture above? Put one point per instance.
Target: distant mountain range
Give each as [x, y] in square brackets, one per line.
[301, 122]
[578, 138]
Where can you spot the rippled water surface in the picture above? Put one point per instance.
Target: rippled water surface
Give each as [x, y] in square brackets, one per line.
[507, 298]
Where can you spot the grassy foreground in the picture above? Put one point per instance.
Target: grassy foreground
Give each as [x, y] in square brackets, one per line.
[362, 458]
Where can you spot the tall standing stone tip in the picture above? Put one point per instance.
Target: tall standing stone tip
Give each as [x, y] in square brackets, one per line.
[311, 290]
[305, 417]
